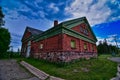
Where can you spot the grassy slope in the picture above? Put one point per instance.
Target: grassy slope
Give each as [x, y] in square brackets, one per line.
[93, 69]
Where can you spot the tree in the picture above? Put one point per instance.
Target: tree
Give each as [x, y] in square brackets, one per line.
[4, 40]
[115, 39]
[2, 22]
[99, 47]
[104, 48]
[4, 35]
[18, 51]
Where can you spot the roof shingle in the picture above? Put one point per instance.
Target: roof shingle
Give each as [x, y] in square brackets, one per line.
[34, 31]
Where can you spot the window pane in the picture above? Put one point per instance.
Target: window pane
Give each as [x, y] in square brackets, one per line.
[85, 46]
[41, 46]
[29, 43]
[81, 29]
[73, 44]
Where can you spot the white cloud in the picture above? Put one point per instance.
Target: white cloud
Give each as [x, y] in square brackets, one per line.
[53, 7]
[110, 40]
[15, 49]
[99, 39]
[20, 24]
[42, 14]
[37, 1]
[96, 12]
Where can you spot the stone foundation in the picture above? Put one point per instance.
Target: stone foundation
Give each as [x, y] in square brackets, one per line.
[64, 56]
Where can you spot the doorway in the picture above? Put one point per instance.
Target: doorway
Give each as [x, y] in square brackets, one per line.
[28, 49]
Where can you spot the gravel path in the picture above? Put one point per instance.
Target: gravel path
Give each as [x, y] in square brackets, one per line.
[115, 59]
[11, 70]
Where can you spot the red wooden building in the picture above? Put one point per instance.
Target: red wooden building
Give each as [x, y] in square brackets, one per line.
[66, 41]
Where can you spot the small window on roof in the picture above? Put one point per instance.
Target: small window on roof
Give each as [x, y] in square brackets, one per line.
[81, 29]
[86, 31]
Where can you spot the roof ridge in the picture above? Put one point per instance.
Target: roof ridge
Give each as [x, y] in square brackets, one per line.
[33, 28]
[64, 22]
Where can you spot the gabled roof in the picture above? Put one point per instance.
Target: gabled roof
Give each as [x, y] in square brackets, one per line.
[71, 23]
[33, 31]
[64, 27]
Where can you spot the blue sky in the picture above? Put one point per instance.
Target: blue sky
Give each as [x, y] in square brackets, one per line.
[103, 16]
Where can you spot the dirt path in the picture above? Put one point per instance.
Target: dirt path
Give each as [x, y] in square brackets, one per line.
[11, 70]
[115, 59]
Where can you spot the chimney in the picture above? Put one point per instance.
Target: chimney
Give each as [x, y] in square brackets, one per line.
[55, 22]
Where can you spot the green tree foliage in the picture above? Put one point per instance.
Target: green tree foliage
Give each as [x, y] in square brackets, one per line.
[99, 47]
[2, 22]
[4, 40]
[104, 48]
[4, 35]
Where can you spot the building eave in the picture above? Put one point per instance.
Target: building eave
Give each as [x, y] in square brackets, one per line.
[72, 23]
[77, 35]
[49, 33]
[65, 27]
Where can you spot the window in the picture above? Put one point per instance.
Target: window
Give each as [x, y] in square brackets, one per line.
[85, 46]
[41, 46]
[73, 44]
[24, 49]
[81, 29]
[29, 43]
[86, 31]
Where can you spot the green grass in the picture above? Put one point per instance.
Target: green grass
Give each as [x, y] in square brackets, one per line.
[93, 69]
[106, 56]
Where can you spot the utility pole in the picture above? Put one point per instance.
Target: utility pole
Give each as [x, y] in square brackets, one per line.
[115, 39]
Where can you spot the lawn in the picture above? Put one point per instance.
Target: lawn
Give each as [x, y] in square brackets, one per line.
[93, 69]
[105, 56]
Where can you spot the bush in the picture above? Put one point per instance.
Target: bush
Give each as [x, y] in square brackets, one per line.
[4, 40]
[9, 55]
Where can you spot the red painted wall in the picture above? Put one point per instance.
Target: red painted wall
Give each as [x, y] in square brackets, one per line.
[59, 42]
[26, 35]
[24, 48]
[53, 43]
[79, 44]
[34, 47]
[50, 44]
[66, 43]
[77, 28]
[24, 43]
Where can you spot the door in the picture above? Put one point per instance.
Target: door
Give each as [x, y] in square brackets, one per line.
[28, 49]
